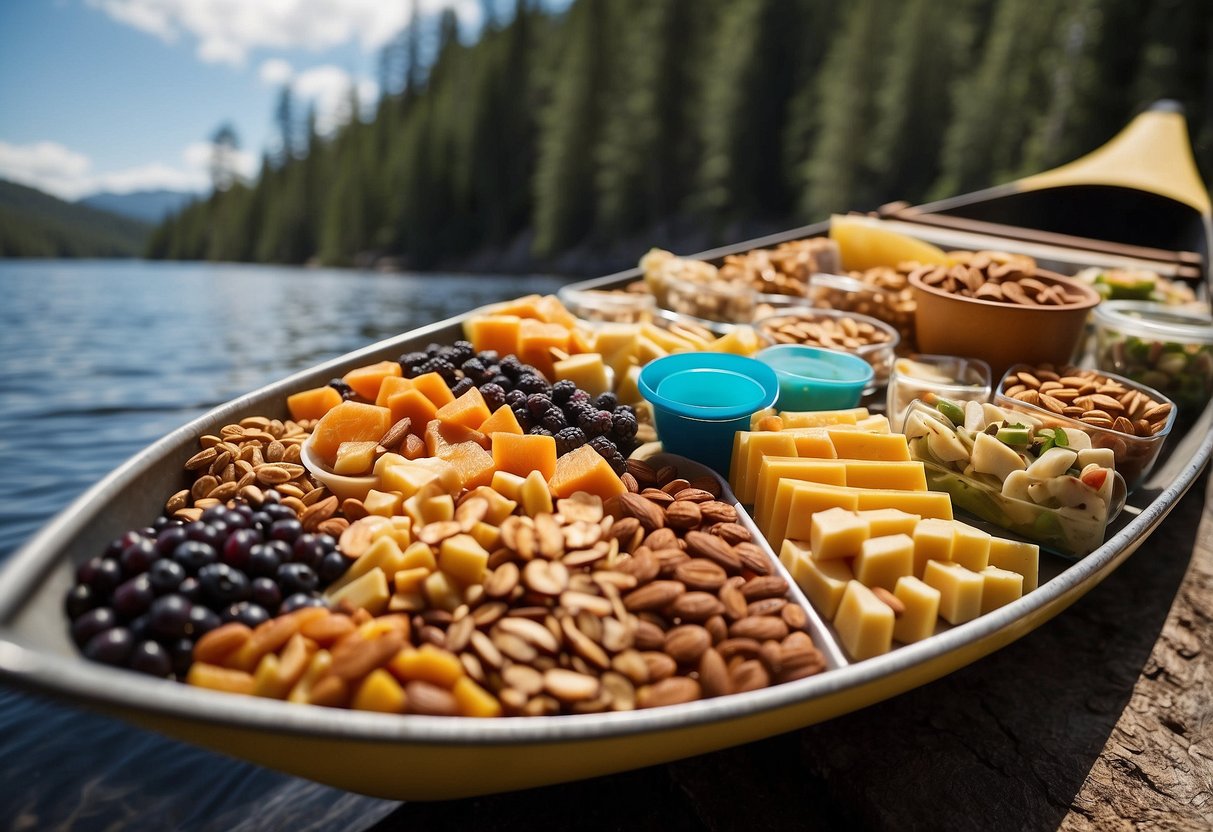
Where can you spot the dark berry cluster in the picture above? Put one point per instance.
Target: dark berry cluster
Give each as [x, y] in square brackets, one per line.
[144, 602]
[561, 410]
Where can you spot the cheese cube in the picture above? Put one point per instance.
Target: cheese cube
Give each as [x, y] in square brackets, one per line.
[803, 501]
[862, 444]
[383, 503]
[815, 442]
[922, 503]
[775, 468]
[902, 476]
[587, 371]
[463, 559]
[744, 479]
[877, 422]
[837, 533]
[1000, 587]
[864, 623]
[933, 539]
[887, 521]
[1016, 556]
[823, 582]
[883, 560]
[822, 418]
[970, 546]
[922, 609]
[959, 590]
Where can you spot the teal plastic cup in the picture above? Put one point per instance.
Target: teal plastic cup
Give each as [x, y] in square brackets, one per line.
[812, 378]
[700, 399]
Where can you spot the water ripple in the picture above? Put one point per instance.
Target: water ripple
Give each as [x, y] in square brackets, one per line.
[101, 359]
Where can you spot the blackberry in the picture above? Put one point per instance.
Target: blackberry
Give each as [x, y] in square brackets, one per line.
[554, 419]
[344, 389]
[442, 367]
[579, 397]
[502, 380]
[514, 398]
[562, 390]
[569, 439]
[623, 423]
[618, 464]
[474, 369]
[522, 415]
[599, 424]
[433, 348]
[461, 351]
[494, 395]
[539, 430]
[607, 401]
[537, 404]
[410, 361]
[462, 386]
[511, 367]
[580, 413]
[531, 383]
[489, 357]
[604, 446]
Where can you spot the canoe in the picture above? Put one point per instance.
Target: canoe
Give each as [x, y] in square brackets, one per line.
[422, 757]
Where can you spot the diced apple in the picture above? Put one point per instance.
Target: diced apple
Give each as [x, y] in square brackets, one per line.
[1052, 463]
[992, 457]
[1103, 457]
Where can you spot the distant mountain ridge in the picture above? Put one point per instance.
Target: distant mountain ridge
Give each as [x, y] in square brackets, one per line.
[35, 224]
[146, 206]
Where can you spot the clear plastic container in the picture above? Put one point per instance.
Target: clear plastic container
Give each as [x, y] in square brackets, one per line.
[848, 294]
[788, 326]
[1166, 349]
[1069, 531]
[608, 306]
[955, 378]
[1135, 455]
[717, 300]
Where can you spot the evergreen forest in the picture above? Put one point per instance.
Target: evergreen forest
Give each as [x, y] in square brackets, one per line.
[575, 141]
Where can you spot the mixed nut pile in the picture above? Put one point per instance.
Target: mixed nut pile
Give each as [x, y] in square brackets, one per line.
[996, 276]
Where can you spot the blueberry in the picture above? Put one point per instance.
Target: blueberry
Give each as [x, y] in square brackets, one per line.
[287, 530]
[136, 558]
[150, 658]
[332, 566]
[133, 597]
[170, 616]
[170, 538]
[80, 599]
[265, 593]
[310, 548]
[111, 646]
[247, 613]
[300, 600]
[206, 533]
[297, 577]
[181, 653]
[190, 590]
[202, 620]
[194, 554]
[265, 558]
[238, 546]
[91, 623]
[105, 575]
[223, 584]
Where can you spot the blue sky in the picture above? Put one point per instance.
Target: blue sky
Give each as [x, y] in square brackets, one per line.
[123, 95]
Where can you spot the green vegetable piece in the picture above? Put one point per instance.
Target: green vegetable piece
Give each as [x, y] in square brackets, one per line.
[1060, 439]
[954, 412]
[1013, 436]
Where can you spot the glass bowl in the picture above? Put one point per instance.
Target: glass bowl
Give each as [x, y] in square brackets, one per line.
[1166, 349]
[812, 378]
[608, 306]
[849, 294]
[806, 325]
[1068, 531]
[955, 378]
[716, 300]
[1135, 455]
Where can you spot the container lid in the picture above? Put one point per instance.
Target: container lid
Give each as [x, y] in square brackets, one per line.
[1146, 319]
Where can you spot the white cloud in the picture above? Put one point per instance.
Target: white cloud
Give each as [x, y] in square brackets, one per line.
[58, 170]
[276, 72]
[228, 30]
[328, 88]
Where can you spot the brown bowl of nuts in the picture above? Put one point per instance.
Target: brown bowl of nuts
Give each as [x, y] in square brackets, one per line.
[1000, 308]
[1128, 418]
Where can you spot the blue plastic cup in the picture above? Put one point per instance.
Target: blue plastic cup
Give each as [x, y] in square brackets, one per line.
[812, 378]
[701, 399]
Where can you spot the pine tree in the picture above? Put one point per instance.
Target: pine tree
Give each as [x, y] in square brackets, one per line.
[836, 175]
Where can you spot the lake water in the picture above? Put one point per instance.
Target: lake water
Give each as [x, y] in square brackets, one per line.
[100, 359]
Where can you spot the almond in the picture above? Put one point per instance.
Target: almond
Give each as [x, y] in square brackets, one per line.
[653, 596]
[700, 574]
[704, 545]
[696, 606]
[684, 514]
[646, 513]
[672, 691]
